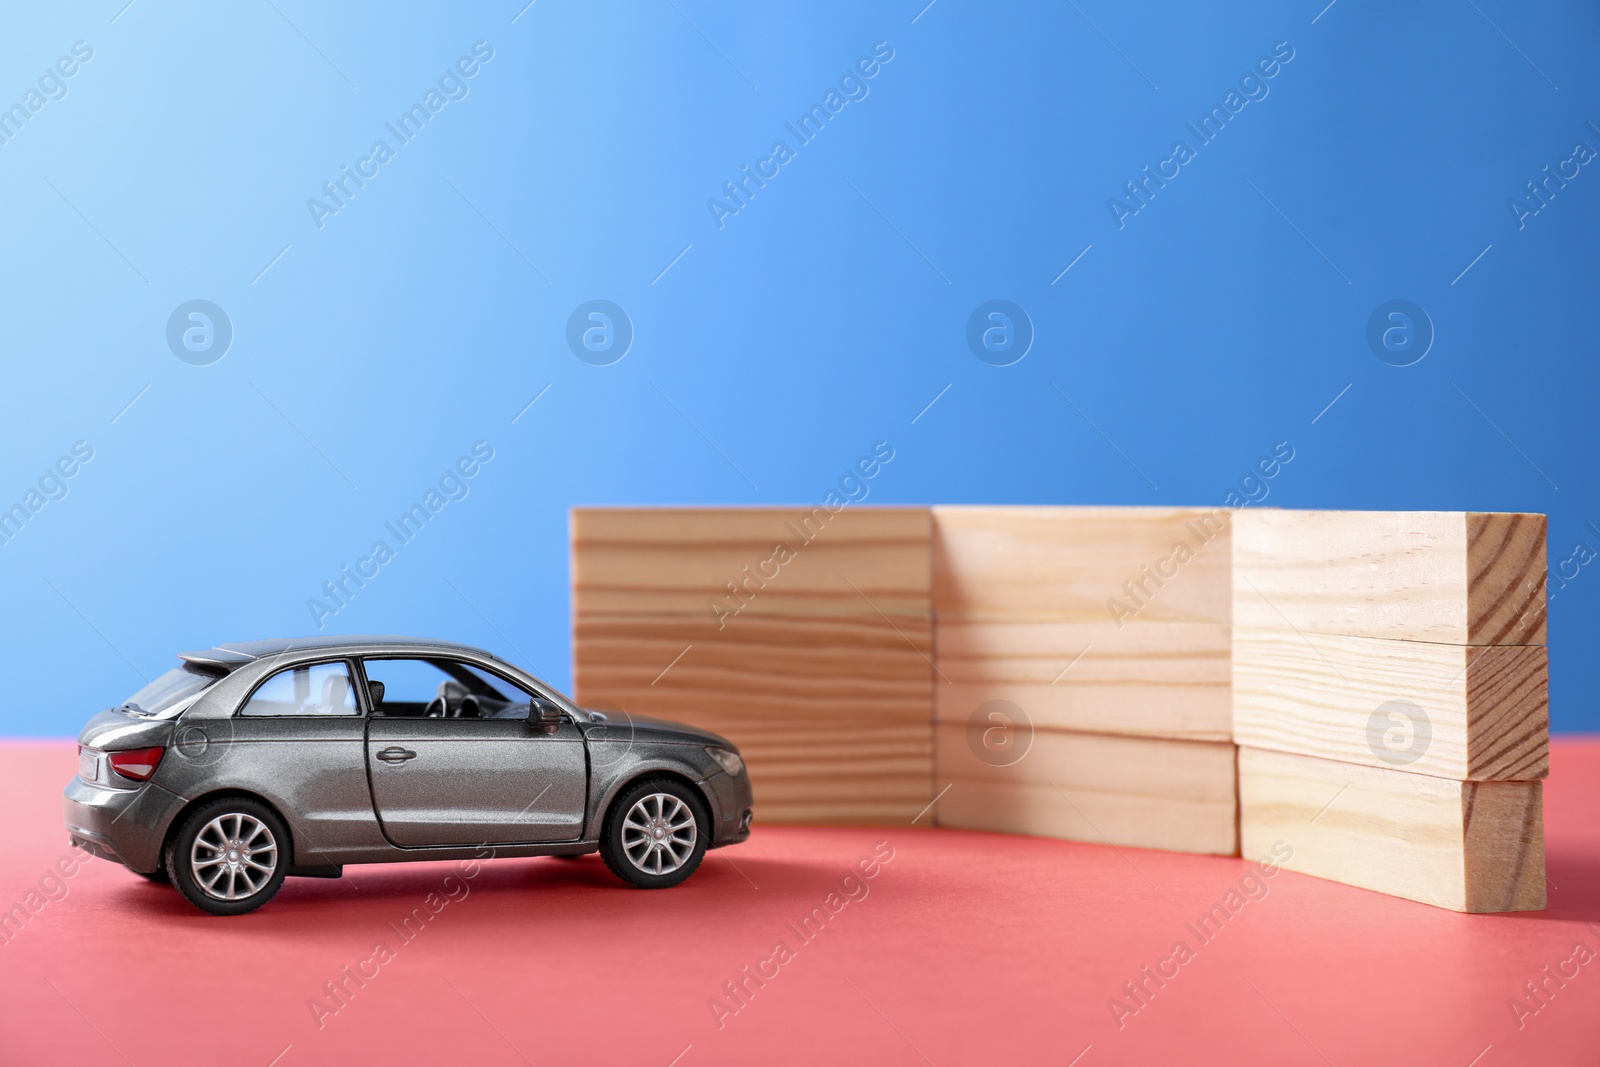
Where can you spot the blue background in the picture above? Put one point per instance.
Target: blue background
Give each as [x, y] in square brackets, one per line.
[372, 352]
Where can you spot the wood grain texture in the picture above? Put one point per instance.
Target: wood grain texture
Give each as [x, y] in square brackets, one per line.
[1487, 707]
[832, 713]
[1453, 577]
[1466, 846]
[751, 561]
[1069, 562]
[1506, 578]
[1125, 791]
[1146, 679]
[1504, 823]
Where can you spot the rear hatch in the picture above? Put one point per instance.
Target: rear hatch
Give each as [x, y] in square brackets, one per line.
[140, 727]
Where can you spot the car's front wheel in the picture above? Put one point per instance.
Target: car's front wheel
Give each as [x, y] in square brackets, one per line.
[656, 834]
[229, 856]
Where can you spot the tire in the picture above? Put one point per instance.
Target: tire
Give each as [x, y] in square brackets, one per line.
[655, 834]
[197, 858]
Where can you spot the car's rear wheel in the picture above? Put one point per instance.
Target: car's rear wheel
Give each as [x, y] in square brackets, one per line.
[229, 856]
[655, 834]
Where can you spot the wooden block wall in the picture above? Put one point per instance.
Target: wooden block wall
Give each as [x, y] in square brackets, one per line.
[804, 636]
[1104, 633]
[867, 659]
[1390, 688]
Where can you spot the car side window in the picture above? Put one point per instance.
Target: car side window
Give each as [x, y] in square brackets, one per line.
[506, 700]
[440, 688]
[310, 689]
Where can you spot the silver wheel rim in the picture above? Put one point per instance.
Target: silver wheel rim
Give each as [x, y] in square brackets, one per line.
[659, 833]
[233, 856]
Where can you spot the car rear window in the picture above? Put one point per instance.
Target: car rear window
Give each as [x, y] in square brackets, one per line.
[167, 696]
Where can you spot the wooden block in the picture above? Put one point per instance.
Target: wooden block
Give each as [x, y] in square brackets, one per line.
[1466, 846]
[1072, 562]
[1468, 578]
[1139, 792]
[1465, 712]
[1146, 678]
[725, 562]
[832, 713]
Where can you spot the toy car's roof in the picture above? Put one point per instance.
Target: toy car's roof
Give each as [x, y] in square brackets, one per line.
[238, 653]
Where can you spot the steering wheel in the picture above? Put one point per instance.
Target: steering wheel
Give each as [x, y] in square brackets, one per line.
[450, 702]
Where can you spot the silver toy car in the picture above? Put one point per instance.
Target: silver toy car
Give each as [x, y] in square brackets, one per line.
[263, 759]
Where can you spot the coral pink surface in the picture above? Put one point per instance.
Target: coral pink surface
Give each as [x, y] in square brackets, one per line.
[964, 948]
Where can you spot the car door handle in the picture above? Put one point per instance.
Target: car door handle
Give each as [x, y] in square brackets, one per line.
[396, 754]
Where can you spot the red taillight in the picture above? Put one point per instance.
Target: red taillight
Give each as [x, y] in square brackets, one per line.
[136, 763]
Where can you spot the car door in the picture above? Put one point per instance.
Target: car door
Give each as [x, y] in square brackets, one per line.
[297, 740]
[454, 760]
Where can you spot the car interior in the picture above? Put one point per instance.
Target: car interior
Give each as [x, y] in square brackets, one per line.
[463, 693]
[312, 689]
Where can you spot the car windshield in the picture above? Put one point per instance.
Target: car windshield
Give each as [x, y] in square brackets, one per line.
[167, 696]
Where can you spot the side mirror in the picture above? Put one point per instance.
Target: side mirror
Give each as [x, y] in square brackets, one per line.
[544, 714]
[376, 689]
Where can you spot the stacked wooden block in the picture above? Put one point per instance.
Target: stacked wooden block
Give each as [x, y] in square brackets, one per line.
[1390, 698]
[1082, 674]
[802, 635]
